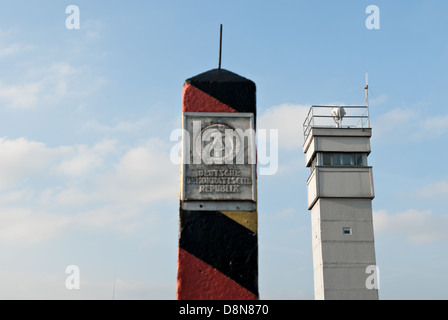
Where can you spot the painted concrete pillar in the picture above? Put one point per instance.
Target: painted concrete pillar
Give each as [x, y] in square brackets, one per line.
[218, 243]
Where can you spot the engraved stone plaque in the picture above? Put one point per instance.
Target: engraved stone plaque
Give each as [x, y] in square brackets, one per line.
[218, 154]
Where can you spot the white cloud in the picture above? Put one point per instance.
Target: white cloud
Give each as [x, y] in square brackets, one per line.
[113, 217]
[13, 49]
[409, 125]
[126, 289]
[28, 284]
[26, 226]
[144, 174]
[4, 33]
[49, 84]
[15, 196]
[438, 189]
[20, 96]
[394, 121]
[93, 29]
[377, 100]
[288, 120]
[416, 226]
[19, 283]
[120, 126]
[66, 196]
[141, 175]
[85, 191]
[82, 159]
[20, 158]
[8, 48]
[436, 126]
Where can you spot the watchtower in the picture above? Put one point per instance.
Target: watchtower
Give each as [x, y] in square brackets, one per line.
[340, 193]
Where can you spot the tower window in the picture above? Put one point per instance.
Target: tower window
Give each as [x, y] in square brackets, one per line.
[342, 159]
[358, 159]
[346, 159]
[326, 161]
[347, 230]
[313, 165]
[336, 159]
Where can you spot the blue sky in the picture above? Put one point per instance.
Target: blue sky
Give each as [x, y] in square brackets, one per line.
[86, 117]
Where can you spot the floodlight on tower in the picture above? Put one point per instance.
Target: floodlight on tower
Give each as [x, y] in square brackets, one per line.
[338, 114]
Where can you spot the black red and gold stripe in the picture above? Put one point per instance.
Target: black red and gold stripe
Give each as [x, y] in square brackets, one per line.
[218, 250]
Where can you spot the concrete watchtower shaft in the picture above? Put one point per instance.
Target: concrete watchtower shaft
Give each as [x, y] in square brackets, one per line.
[340, 192]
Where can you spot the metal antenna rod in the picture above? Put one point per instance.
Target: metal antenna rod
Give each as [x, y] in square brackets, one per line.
[367, 98]
[220, 46]
[367, 89]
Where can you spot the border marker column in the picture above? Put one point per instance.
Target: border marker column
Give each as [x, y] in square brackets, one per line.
[218, 242]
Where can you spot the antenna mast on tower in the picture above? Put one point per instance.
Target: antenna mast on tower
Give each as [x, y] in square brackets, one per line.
[367, 98]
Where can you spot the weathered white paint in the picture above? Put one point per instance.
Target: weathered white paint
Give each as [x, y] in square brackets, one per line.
[340, 197]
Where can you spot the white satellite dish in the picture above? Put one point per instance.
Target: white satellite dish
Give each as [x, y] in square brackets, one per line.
[338, 114]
